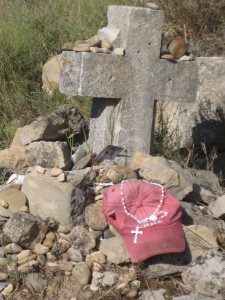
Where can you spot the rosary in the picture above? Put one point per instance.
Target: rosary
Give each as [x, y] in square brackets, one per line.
[151, 220]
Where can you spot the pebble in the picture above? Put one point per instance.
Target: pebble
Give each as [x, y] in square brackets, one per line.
[40, 169]
[61, 246]
[63, 229]
[51, 257]
[49, 240]
[75, 255]
[81, 273]
[55, 172]
[82, 48]
[23, 254]
[5, 213]
[4, 203]
[152, 5]
[40, 249]
[94, 216]
[132, 294]
[62, 177]
[28, 266]
[52, 266]
[96, 256]
[13, 248]
[7, 290]
[106, 44]
[3, 261]
[26, 259]
[66, 266]
[109, 278]
[3, 276]
[119, 51]
[99, 197]
[24, 209]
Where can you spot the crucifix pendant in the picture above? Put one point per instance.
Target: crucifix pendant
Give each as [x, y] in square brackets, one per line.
[136, 233]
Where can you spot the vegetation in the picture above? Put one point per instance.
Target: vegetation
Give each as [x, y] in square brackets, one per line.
[33, 31]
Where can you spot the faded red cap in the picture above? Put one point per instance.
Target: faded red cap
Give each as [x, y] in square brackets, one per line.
[160, 235]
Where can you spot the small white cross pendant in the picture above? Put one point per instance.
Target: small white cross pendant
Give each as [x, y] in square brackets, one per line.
[136, 233]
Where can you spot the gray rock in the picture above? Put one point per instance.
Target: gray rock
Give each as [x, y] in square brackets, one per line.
[153, 294]
[94, 216]
[152, 5]
[192, 214]
[25, 229]
[65, 202]
[109, 278]
[196, 297]
[115, 250]
[5, 213]
[48, 155]
[82, 239]
[15, 198]
[206, 275]
[218, 207]
[168, 173]
[75, 255]
[82, 273]
[65, 120]
[35, 282]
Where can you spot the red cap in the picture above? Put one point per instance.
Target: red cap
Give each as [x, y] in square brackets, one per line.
[162, 233]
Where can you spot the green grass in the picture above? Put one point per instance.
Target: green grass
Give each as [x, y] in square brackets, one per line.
[32, 31]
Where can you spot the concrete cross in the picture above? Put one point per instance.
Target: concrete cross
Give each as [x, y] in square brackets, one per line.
[124, 88]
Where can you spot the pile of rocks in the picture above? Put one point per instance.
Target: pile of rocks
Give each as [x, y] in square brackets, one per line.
[56, 242]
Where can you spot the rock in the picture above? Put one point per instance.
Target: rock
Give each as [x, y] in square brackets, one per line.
[167, 56]
[3, 203]
[7, 290]
[94, 216]
[193, 215]
[52, 266]
[40, 169]
[217, 207]
[14, 157]
[99, 197]
[48, 154]
[25, 229]
[49, 239]
[3, 276]
[81, 273]
[153, 294]
[55, 126]
[66, 265]
[206, 275]
[40, 249]
[3, 262]
[13, 248]
[119, 51]
[35, 282]
[106, 44]
[66, 202]
[63, 229]
[68, 46]
[84, 162]
[29, 266]
[5, 213]
[50, 75]
[62, 177]
[177, 47]
[115, 250]
[132, 294]
[56, 172]
[152, 5]
[96, 256]
[109, 278]
[26, 259]
[75, 255]
[82, 48]
[118, 173]
[100, 50]
[16, 199]
[61, 246]
[196, 297]
[93, 41]
[82, 239]
[24, 209]
[23, 254]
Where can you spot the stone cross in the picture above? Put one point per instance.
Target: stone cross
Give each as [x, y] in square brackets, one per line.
[124, 88]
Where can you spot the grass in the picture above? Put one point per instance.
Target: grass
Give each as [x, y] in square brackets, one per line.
[33, 31]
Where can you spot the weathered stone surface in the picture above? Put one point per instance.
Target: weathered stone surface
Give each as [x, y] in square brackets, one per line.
[206, 275]
[13, 248]
[118, 173]
[5, 213]
[66, 265]
[168, 173]
[109, 278]
[29, 266]
[196, 297]
[153, 294]
[201, 121]
[115, 250]
[82, 273]
[192, 214]
[94, 216]
[75, 255]
[50, 75]
[64, 202]
[107, 76]
[40, 249]
[218, 207]
[65, 120]
[82, 239]
[35, 282]
[25, 229]
[15, 198]
[48, 154]
[96, 256]
[14, 157]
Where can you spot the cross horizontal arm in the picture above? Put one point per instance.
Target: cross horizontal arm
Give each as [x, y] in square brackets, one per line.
[93, 74]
